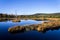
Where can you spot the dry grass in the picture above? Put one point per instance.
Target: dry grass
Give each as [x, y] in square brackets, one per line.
[52, 24]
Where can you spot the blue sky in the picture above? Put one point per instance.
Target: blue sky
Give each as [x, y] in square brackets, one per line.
[26, 7]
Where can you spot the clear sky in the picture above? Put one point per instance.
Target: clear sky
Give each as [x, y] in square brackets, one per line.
[29, 6]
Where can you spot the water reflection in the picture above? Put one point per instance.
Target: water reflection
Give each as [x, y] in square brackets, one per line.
[52, 29]
[48, 34]
[3, 20]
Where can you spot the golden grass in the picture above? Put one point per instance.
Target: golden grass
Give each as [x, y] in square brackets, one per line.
[53, 23]
[16, 20]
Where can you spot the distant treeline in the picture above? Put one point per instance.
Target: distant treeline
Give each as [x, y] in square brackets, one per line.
[6, 16]
[38, 15]
[42, 15]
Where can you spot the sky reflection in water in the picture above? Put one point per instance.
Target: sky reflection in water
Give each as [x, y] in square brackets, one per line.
[31, 35]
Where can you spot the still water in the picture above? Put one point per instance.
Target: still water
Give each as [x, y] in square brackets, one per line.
[30, 35]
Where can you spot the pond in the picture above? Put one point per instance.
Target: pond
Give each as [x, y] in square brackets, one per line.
[30, 35]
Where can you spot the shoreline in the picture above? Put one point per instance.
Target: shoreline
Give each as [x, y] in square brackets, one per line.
[52, 24]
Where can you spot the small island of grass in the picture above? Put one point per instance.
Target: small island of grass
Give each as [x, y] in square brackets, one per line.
[50, 25]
